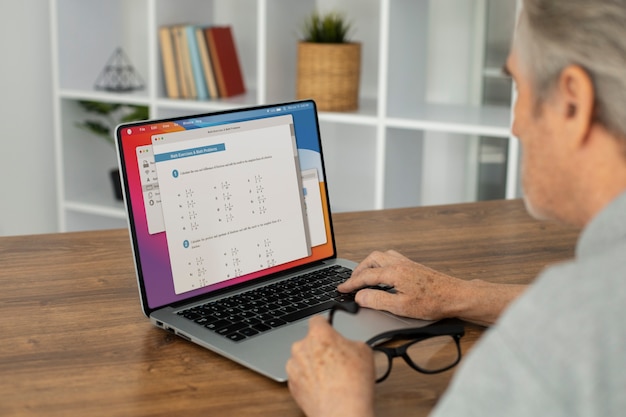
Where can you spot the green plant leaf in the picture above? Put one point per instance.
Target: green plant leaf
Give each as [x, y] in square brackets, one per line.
[96, 127]
[99, 107]
[110, 115]
[137, 113]
[329, 28]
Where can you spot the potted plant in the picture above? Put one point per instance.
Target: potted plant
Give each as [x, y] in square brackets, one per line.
[329, 64]
[105, 117]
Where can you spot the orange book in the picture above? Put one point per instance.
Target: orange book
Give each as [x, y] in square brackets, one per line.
[225, 61]
[169, 62]
[185, 73]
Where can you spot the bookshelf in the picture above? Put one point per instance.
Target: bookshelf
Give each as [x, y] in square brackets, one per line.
[416, 139]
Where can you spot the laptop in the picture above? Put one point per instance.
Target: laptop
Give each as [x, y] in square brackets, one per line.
[231, 231]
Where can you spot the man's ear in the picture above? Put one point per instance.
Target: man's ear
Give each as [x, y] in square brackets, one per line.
[576, 103]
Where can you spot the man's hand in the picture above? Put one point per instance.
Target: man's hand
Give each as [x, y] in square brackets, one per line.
[423, 293]
[330, 375]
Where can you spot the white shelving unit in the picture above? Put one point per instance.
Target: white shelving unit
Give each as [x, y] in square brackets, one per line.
[411, 142]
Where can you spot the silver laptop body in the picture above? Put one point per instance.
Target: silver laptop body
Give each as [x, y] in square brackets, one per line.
[227, 206]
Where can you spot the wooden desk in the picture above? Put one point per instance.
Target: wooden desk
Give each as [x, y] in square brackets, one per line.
[75, 343]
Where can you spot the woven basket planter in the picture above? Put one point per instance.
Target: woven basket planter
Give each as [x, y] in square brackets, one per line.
[329, 73]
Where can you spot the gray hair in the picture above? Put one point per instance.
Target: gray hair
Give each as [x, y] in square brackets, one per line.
[553, 34]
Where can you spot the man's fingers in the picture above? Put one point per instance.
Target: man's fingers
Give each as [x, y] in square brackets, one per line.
[376, 299]
[372, 271]
[373, 260]
[367, 277]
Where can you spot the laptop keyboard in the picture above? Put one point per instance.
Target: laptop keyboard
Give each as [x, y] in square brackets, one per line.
[256, 311]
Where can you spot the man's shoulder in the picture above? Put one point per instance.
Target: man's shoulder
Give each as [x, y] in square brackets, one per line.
[582, 287]
[566, 333]
[572, 301]
[554, 347]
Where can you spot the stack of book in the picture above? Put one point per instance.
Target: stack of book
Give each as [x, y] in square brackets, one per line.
[200, 62]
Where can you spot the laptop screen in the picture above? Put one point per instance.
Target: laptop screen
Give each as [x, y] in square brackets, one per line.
[219, 199]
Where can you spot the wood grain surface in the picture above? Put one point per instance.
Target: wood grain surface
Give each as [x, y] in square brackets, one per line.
[75, 343]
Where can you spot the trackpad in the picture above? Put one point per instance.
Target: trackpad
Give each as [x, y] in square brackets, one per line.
[368, 323]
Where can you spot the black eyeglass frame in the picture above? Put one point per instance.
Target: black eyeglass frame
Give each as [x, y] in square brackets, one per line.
[349, 307]
[415, 335]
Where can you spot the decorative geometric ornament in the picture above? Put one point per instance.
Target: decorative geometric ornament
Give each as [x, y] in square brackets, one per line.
[118, 75]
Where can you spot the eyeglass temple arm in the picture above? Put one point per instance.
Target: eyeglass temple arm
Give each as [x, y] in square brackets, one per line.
[418, 333]
[348, 306]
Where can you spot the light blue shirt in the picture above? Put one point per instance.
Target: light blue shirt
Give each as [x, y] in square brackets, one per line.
[560, 349]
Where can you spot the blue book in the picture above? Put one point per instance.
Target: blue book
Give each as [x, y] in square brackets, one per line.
[196, 64]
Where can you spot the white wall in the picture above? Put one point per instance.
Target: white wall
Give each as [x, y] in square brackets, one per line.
[27, 186]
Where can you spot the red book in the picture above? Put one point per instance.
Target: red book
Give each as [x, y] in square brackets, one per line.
[225, 61]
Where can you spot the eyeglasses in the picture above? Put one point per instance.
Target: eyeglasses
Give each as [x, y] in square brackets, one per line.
[429, 350]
